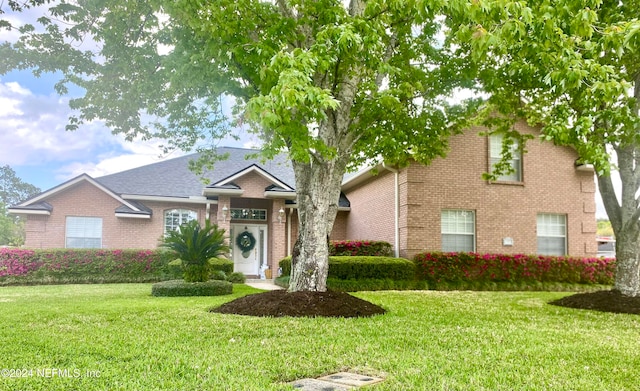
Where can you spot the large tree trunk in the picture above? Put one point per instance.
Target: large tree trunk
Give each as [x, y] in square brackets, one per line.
[628, 263]
[318, 189]
[624, 216]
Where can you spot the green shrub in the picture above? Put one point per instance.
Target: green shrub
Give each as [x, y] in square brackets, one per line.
[62, 266]
[439, 267]
[361, 267]
[370, 248]
[236, 278]
[174, 288]
[218, 275]
[195, 245]
[175, 268]
[221, 264]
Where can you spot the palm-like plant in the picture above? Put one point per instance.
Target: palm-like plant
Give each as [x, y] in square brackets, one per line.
[195, 245]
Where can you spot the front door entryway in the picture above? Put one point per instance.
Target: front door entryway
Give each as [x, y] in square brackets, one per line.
[249, 247]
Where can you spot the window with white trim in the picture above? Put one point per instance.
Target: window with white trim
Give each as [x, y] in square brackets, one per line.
[83, 232]
[552, 234]
[174, 218]
[495, 155]
[458, 228]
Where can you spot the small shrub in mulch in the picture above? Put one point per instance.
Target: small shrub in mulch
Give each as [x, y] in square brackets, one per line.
[605, 301]
[280, 303]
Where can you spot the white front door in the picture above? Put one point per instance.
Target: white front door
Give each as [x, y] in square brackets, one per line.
[248, 243]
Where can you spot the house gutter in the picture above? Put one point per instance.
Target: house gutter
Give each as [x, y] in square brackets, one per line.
[290, 211]
[396, 209]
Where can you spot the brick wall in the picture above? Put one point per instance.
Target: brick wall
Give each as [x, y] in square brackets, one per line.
[372, 209]
[253, 185]
[86, 200]
[551, 184]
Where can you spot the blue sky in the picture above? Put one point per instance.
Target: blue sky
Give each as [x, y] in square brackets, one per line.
[33, 140]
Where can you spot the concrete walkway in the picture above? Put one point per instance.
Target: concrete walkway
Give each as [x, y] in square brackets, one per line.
[267, 285]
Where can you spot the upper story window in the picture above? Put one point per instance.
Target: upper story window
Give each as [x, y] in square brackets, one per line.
[174, 218]
[458, 228]
[83, 232]
[552, 234]
[496, 150]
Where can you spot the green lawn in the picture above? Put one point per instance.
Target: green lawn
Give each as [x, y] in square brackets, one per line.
[427, 341]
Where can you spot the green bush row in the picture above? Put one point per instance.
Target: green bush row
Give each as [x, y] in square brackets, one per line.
[363, 267]
[175, 288]
[369, 284]
[437, 267]
[223, 265]
[21, 266]
[370, 248]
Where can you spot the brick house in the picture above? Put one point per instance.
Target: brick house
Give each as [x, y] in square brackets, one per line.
[545, 206]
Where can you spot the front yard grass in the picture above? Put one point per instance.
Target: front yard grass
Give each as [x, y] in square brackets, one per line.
[119, 337]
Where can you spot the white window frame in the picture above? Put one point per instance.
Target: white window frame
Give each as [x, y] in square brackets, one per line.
[495, 155]
[83, 229]
[551, 226]
[183, 216]
[458, 222]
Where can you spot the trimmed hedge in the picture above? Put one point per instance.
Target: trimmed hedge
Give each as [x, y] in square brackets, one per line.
[174, 288]
[221, 264]
[467, 267]
[66, 266]
[368, 284]
[217, 264]
[369, 248]
[361, 267]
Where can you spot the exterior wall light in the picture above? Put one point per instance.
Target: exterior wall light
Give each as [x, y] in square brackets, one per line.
[224, 213]
[281, 215]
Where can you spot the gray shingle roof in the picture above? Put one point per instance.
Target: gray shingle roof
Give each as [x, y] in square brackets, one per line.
[172, 178]
[45, 206]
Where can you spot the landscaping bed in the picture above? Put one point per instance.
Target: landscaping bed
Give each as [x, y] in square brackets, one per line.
[279, 303]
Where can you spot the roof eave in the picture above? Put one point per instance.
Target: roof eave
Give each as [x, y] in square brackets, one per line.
[185, 200]
[289, 195]
[229, 192]
[133, 215]
[20, 211]
[360, 177]
[253, 168]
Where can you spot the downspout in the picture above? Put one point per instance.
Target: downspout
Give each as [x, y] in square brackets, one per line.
[396, 209]
[289, 231]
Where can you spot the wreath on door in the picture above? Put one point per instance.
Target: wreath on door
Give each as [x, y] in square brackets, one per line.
[245, 242]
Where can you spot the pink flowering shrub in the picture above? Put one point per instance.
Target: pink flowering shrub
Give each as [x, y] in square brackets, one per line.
[450, 267]
[370, 248]
[80, 265]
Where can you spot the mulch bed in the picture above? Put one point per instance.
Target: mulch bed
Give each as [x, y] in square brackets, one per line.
[301, 304]
[605, 301]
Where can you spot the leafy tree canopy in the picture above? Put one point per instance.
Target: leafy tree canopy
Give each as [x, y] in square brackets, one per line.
[14, 190]
[572, 67]
[333, 83]
[294, 68]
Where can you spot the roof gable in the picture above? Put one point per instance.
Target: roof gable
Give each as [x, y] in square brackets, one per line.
[34, 202]
[252, 168]
[172, 178]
